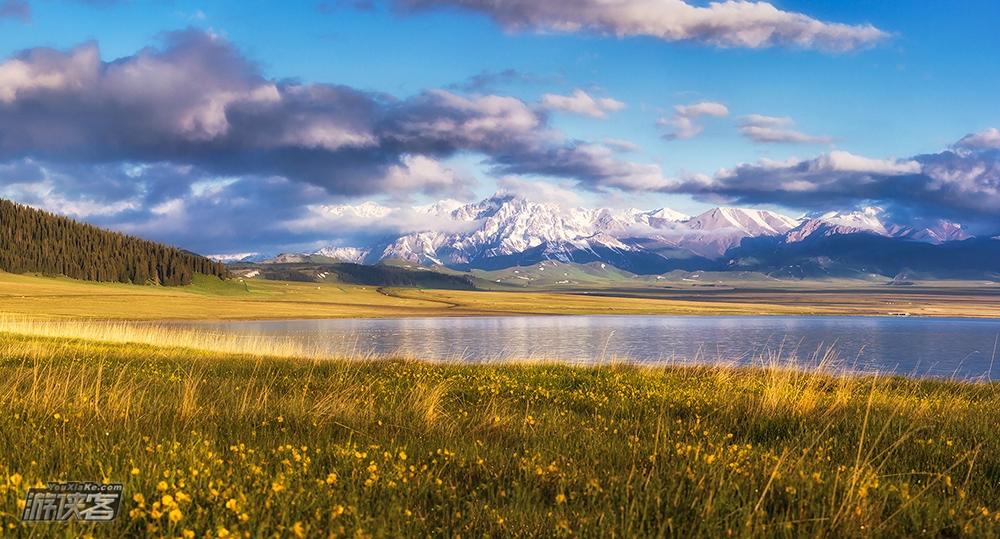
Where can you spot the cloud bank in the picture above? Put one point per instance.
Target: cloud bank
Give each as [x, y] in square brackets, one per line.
[733, 23]
[198, 102]
[193, 126]
[962, 185]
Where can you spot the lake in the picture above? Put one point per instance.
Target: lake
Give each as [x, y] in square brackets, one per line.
[920, 347]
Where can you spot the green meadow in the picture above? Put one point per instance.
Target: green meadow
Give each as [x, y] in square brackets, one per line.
[218, 439]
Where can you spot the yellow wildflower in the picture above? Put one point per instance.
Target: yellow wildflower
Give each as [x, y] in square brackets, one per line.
[175, 515]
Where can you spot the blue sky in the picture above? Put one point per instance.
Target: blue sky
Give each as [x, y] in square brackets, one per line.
[225, 126]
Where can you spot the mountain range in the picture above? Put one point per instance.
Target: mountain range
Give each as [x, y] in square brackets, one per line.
[507, 230]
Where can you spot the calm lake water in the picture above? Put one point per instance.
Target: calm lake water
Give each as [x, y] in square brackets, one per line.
[910, 346]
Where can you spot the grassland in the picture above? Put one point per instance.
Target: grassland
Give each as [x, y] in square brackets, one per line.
[238, 444]
[218, 436]
[211, 299]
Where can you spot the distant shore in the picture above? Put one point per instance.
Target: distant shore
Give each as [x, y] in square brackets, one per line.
[210, 299]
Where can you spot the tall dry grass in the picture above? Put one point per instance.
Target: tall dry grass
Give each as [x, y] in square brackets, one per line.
[160, 335]
[240, 444]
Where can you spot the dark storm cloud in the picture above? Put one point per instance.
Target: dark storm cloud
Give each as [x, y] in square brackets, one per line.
[722, 24]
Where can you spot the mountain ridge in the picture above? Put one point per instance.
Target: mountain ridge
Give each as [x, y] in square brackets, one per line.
[506, 230]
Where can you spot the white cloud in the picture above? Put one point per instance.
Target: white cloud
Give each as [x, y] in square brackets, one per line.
[48, 70]
[539, 191]
[581, 103]
[765, 129]
[420, 173]
[682, 120]
[839, 161]
[983, 140]
[622, 146]
[733, 23]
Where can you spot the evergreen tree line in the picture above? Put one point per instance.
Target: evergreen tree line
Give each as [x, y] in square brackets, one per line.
[37, 241]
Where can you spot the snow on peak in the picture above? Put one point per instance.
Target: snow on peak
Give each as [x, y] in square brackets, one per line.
[866, 219]
[751, 222]
[668, 214]
[365, 210]
[239, 257]
[347, 254]
[443, 208]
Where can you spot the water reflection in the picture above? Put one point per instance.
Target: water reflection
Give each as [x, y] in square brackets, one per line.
[910, 346]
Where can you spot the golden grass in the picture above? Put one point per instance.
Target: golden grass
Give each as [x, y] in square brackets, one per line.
[211, 299]
[158, 334]
[254, 446]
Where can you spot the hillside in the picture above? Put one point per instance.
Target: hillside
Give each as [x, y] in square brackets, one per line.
[321, 269]
[35, 241]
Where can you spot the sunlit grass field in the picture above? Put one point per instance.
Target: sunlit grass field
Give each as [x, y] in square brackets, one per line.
[60, 298]
[234, 443]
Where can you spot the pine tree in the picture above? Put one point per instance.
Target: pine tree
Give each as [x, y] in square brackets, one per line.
[36, 241]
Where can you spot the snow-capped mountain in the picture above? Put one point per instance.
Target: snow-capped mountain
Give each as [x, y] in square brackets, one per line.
[751, 222]
[875, 220]
[367, 210]
[506, 230]
[718, 230]
[940, 231]
[240, 257]
[347, 254]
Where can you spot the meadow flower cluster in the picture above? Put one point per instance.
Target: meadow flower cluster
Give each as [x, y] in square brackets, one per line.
[215, 444]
